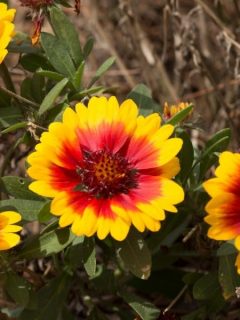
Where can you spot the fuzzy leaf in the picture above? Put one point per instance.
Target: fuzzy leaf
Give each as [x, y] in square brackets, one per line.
[57, 54]
[67, 34]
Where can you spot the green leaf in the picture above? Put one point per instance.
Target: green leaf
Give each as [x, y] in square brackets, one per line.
[99, 280]
[84, 93]
[66, 314]
[186, 155]
[50, 75]
[228, 277]
[52, 95]
[218, 146]
[135, 255]
[15, 127]
[77, 80]
[199, 314]
[83, 252]
[18, 288]
[89, 256]
[206, 287]
[217, 143]
[218, 136]
[49, 300]
[67, 34]
[87, 49]
[226, 249]
[9, 116]
[145, 309]
[38, 88]
[23, 46]
[180, 116]
[18, 188]
[31, 62]
[29, 209]
[142, 96]
[26, 88]
[5, 100]
[44, 214]
[47, 243]
[97, 314]
[101, 70]
[174, 226]
[57, 54]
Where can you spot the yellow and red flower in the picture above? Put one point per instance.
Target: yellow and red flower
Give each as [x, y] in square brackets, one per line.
[8, 229]
[107, 168]
[223, 209]
[6, 29]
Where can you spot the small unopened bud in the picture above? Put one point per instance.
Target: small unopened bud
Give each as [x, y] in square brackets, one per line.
[171, 111]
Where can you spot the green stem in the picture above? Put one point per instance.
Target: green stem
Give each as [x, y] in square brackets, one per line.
[19, 98]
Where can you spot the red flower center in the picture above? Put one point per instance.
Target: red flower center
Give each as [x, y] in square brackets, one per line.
[104, 174]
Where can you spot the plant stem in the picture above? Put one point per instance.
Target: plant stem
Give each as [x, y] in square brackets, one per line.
[175, 300]
[19, 98]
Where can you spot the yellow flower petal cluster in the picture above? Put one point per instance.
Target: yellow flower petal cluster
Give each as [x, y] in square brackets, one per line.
[224, 207]
[8, 229]
[6, 28]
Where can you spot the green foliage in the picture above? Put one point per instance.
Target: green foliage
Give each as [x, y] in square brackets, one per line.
[135, 255]
[18, 188]
[145, 309]
[142, 96]
[48, 302]
[52, 95]
[67, 34]
[47, 243]
[101, 70]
